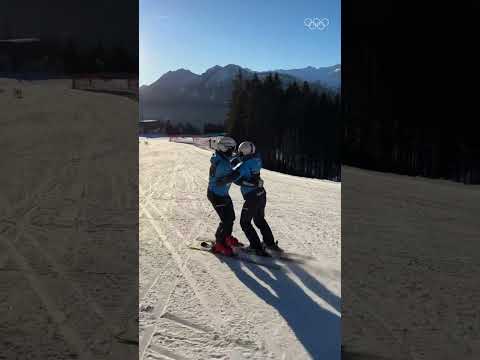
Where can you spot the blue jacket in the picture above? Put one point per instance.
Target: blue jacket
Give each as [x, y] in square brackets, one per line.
[219, 167]
[248, 174]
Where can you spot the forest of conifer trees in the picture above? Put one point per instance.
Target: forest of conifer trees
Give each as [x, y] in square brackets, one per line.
[295, 128]
[413, 147]
[57, 58]
[393, 124]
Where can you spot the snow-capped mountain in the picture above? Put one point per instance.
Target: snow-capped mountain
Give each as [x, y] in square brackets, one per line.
[328, 76]
[183, 96]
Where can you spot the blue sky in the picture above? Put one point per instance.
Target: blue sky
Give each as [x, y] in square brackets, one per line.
[258, 34]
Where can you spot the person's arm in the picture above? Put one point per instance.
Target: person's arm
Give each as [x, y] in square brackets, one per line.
[213, 168]
[234, 176]
[239, 176]
[235, 161]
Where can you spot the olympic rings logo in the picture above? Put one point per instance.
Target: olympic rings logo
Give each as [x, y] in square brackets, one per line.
[316, 23]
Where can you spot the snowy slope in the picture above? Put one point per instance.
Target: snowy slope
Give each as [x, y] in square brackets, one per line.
[411, 267]
[194, 305]
[61, 173]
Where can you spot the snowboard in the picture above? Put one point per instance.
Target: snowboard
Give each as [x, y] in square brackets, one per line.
[282, 256]
[244, 256]
[211, 241]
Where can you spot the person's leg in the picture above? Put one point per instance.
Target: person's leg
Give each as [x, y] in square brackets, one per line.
[261, 223]
[248, 211]
[224, 209]
[228, 217]
[218, 209]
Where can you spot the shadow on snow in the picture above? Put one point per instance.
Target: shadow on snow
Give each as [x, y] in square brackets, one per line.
[315, 327]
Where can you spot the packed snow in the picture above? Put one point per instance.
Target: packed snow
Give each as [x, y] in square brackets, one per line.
[195, 305]
[67, 158]
[410, 278]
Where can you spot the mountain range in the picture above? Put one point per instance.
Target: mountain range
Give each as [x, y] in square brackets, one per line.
[328, 76]
[183, 96]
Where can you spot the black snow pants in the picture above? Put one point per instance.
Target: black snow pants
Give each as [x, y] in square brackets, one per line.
[224, 207]
[254, 208]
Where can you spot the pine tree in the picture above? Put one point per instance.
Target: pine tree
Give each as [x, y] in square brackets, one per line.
[296, 129]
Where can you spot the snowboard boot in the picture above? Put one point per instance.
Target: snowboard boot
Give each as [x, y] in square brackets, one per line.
[232, 241]
[258, 250]
[274, 247]
[221, 248]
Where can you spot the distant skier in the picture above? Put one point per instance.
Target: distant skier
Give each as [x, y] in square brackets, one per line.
[218, 195]
[246, 174]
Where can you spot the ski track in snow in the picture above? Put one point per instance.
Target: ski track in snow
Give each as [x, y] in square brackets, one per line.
[48, 222]
[194, 305]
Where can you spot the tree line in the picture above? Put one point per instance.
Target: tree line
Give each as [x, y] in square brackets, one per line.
[295, 127]
[166, 127]
[99, 59]
[407, 139]
[413, 147]
[394, 123]
[68, 57]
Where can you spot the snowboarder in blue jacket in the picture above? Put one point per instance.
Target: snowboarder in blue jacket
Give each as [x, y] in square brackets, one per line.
[218, 195]
[246, 174]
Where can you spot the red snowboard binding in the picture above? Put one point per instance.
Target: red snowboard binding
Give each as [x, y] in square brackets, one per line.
[232, 241]
[221, 248]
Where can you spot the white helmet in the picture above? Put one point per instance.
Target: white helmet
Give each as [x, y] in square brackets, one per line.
[246, 148]
[225, 144]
